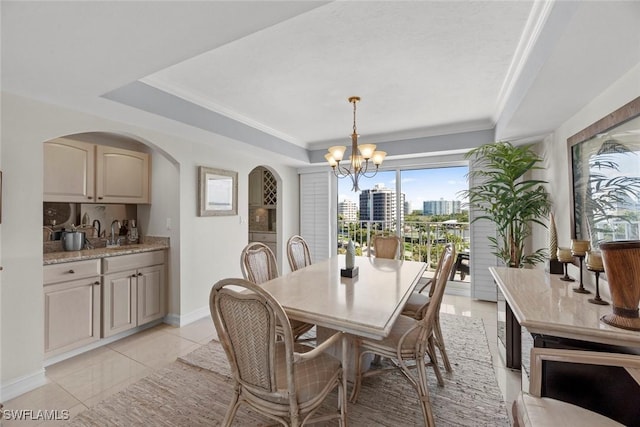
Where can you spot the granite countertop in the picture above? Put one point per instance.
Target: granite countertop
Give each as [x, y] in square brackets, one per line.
[54, 255]
[544, 304]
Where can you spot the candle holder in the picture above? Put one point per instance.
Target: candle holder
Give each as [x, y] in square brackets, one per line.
[566, 276]
[579, 249]
[580, 289]
[597, 299]
[564, 256]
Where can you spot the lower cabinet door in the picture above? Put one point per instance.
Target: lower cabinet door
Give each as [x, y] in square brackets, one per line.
[72, 315]
[120, 302]
[151, 298]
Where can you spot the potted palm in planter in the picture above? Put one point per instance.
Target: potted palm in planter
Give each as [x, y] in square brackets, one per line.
[507, 198]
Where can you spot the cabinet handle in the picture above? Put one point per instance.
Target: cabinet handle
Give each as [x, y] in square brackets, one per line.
[133, 275]
[71, 272]
[100, 198]
[89, 197]
[139, 274]
[96, 283]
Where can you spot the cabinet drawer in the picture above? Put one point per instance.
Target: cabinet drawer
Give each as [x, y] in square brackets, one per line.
[264, 237]
[128, 262]
[71, 271]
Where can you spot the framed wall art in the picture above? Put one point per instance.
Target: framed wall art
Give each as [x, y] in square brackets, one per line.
[218, 192]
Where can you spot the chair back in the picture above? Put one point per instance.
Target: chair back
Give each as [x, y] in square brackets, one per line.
[440, 269]
[298, 253]
[446, 264]
[258, 263]
[387, 246]
[245, 317]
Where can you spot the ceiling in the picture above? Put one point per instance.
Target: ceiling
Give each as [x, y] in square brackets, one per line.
[277, 74]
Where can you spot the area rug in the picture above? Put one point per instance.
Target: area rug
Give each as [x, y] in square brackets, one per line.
[195, 391]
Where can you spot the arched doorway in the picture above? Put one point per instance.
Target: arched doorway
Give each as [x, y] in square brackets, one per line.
[263, 208]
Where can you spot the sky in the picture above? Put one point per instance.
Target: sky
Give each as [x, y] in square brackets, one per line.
[418, 185]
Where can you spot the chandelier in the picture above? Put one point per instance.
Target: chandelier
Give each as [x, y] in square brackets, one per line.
[358, 160]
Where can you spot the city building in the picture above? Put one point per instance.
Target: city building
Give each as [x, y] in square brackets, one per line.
[348, 210]
[441, 207]
[379, 204]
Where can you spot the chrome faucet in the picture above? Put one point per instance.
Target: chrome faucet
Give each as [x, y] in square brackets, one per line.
[114, 241]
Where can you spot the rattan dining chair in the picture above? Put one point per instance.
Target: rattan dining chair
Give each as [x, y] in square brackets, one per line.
[409, 340]
[258, 265]
[276, 379]
[387, 247]
[416, 306]
[298, 253]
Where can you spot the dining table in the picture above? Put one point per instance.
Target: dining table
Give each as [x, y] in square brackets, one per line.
[366, 305]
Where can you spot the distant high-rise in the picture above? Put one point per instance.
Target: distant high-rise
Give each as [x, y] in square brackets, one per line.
[379, 204]
[441, 207]
[348, 209]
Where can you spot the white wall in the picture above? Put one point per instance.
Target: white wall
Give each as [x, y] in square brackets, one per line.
[556, 151]
[204, 249]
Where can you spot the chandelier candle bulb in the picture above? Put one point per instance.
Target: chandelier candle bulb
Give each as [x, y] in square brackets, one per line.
[367, 150]
[337, 152]
[378, 157]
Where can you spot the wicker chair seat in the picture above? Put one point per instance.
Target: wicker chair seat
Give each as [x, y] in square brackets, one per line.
[400, 328]
[312, 377]
[415, 305]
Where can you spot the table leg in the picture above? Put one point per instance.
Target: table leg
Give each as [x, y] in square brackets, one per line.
[348, 359]
[345, 371]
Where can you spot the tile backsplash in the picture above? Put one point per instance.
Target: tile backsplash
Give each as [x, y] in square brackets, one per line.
[262, 219]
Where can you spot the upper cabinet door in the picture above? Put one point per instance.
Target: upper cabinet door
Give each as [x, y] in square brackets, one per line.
[69, 171]
[122, 176]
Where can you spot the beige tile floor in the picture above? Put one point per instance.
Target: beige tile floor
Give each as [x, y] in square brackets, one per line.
[82, 381]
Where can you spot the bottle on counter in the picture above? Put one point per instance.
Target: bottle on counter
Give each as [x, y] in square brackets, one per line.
[133, 232]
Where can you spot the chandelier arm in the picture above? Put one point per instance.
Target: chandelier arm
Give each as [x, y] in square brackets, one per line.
[341, 171]
[365, 169]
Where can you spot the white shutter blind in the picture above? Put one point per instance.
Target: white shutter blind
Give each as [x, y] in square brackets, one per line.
[482, 285]
[315, 213]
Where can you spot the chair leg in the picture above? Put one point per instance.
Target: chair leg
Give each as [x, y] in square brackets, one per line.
[440, 343]
[342, 403]
[431, 351]
[233, 407]
[358, 374]
[423, 395]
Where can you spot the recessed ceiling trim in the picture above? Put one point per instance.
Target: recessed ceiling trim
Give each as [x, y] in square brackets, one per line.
[147, 98]
[182, 92]
[457, 142]
[530, 34]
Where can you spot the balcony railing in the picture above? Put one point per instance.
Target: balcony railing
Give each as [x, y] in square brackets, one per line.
[423, 241]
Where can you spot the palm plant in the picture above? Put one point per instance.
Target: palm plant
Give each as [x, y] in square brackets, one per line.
[509, 200]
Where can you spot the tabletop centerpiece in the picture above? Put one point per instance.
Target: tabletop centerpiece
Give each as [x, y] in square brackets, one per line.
[350, 270]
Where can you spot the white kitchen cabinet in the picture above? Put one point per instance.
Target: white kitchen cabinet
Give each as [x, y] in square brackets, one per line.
[72, 309]
[134, 291]
[122, 176]
[69, 171]
[76, 171]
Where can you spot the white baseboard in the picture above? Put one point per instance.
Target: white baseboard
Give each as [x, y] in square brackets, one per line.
[24, 384]
[182, 320]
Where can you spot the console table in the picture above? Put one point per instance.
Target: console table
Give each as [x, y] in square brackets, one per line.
[547, 308]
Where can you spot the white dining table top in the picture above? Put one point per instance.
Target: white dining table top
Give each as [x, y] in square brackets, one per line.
[366, 305]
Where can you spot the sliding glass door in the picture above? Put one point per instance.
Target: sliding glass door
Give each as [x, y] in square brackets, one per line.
[423, 206]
